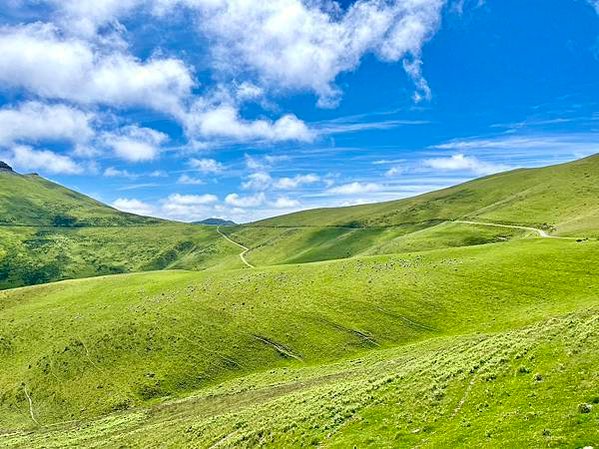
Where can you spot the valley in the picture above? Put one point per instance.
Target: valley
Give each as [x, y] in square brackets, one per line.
[443, 324]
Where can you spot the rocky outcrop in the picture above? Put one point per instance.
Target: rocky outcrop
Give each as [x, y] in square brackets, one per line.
[5, 167]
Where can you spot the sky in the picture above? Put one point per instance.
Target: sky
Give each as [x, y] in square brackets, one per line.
[246, 109]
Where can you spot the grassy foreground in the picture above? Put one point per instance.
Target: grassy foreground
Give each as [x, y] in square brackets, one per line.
[534, 387]
[132, 344]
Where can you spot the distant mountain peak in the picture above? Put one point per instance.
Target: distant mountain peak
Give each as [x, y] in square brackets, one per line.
[5, 167]
[216, 222]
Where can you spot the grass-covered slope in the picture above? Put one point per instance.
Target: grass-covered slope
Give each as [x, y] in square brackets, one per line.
[30, 200]
[531, 387]
[35, 255]
[48, 233]
[85, 348]
[564, 198]
[561, 199]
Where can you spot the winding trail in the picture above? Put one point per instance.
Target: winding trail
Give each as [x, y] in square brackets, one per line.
[30, 405]
[245, 248]
[541, 233]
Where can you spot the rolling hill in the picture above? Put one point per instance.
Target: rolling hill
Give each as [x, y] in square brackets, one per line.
[30, 200]
[48, 233]
[563, 200]
[462, 323]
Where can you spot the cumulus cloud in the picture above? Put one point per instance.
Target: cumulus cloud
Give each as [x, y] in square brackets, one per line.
[257, 181]
[284, 202]
[234, 199]
[135, 144]
[460, 162]
[223, 121]
[34, 121]
[206, 165]
[133, 206]
[26, 158]
[84, 17]
[39, 59]
[296, 181]
[296, 45]
[189, 180]
[188, 207]
[355, 188]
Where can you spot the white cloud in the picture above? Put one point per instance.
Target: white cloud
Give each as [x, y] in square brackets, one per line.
[206, 165]
[112, 172]
[188, 207]
[460, 162]
[134, 206]
[595, 4]
[295, 45]
[223, 121]
[192, 200]
[25, 157]
[296, 181]
[395, 171]
[284, 202]
[354, 188]
[257, 181]
[38, 59]
[256, 200]
[34, 121]
[84, 17]
[189, 180]
[135, 144]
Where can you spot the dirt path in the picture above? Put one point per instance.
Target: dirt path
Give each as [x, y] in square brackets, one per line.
[245, 248]
[540, 232]
[30, 406]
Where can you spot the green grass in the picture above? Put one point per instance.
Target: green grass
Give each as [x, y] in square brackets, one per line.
[561, 199]
[49, 233]
[383, 325]
[518, 388]
[564, 198]
[35, 255]
[90, 347]
[30, 200]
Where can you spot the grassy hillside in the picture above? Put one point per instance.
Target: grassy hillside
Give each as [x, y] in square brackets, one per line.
[30, 200]
[562, 199]
[440, 335]
[35, 255]
[530, 387]
[48, 233]
[85, 348]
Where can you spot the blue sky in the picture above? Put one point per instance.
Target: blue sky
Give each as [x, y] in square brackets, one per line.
[188, 109]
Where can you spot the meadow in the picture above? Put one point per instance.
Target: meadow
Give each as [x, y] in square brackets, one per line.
[424, 329]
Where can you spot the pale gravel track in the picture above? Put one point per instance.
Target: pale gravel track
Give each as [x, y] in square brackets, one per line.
[540, 232]
[245, 248]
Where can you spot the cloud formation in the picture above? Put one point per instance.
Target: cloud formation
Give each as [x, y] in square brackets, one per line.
[33, 121]
[40, 60]
[26, 158]
[460, 162]
[135, 144]
[304, 46]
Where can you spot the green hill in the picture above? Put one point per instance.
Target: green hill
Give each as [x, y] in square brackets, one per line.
[192, 359]
[30, 200]
[48, 233]
[461, 324]
[561, 199]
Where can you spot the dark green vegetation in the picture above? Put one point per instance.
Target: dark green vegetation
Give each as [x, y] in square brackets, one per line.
[48, 233]
[439, 335]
